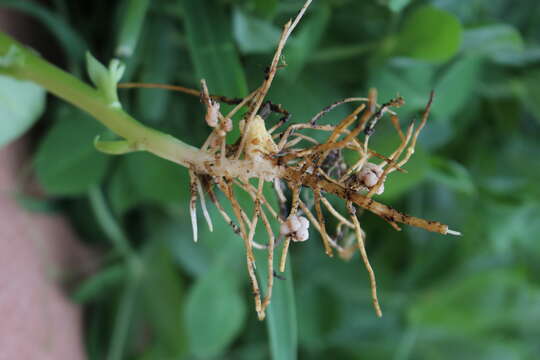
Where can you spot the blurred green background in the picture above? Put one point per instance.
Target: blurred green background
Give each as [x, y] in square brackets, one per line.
[157, 295]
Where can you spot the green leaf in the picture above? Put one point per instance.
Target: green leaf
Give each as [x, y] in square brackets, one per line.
[163, 300]
[159, 60]
[510, 234]
[318, 316]
[413, 80]
[456, 86]
[254, 35]
[265, 8]
[452, 174]
[13, 58]
[429, 34]
[304, 42]
[499, 42]
[281, 313]
[399, 183]
[212, 48]
[123, 318]
[385, 141]
[398, 5]
[21, 104]
[477, 304]
[215, 312]
[97, 72]
[306, 97]
[99, 284]
[144, 178]
[193, 258]
[528, 90]
[106, 79]
[213, 52]
[66, 162]
[35, 204]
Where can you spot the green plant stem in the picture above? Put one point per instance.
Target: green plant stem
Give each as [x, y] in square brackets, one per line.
[134, 266]
[122, 320]
[135, 12]
[29, 66]
[108, 223]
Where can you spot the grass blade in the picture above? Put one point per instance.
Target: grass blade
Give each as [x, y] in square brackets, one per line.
[122, 321]
[212, 49]
[281, 313]
[130, 30]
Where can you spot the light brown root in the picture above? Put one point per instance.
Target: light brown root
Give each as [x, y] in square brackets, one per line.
[336, 214]
[295, 202]
[271, 244]
[287, 30]
[363, 254]
[320, 217]
[284, 252]
[317, 226]
[250, 259]
[410, 149]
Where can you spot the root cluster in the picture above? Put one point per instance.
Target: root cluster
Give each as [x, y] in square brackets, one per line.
[307, 169]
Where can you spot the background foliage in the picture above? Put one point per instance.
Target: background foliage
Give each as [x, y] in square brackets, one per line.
[158, 295]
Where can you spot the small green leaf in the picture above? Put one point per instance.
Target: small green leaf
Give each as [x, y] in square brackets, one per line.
[97, 72]
[254, 35]
[452, 174]
[163, 300]
[113, 147]
[398, 5]
[478, 303]
[66, 161]
[498, 41]
[265, 8]
[21, 104]
[106, 79]
[144, 178]
[411, 79]
[194, 259]
[215, 312]
[12, 58]
[116, 70]
[510, 235]
[429, 34]
[456, 86]
[527, 89]
[99, 284]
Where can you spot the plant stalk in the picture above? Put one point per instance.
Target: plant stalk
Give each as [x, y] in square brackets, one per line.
[25, 64]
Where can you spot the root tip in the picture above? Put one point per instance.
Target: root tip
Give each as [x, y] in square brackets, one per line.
[452, 232]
